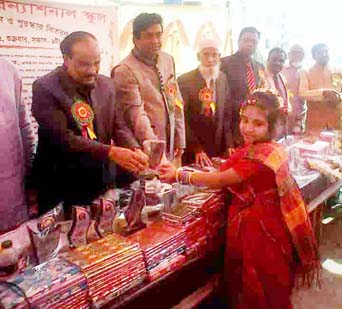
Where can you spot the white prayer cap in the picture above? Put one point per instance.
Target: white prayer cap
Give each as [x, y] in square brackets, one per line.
[296, 48]
[207, 42]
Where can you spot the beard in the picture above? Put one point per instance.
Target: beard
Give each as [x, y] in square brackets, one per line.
[209, 73]
[296, 64]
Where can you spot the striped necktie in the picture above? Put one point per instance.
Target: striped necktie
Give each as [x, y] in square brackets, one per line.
[280, 88]
[250, 77]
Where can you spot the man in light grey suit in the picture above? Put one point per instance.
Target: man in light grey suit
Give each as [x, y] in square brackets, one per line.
[147, 89]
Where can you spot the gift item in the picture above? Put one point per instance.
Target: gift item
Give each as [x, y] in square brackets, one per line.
[155, 149]
[327, 136]
[332, 169]
[104, 214]
[54, 284]
[112, 266]
[194, 224]
[210, 203]
[45, 238]
[318, 147]
[159, 242]
[168, 265]
[93, 232]
[80, 223]
[50, 219]
[134, 209]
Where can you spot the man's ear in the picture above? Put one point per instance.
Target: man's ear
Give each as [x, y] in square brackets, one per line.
[198, 56]
[65, 59]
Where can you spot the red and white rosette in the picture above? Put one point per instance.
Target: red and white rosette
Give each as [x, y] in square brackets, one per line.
[84, 117]
[206, 96]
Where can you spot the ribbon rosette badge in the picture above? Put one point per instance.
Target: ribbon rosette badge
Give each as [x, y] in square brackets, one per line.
[84, 116]
[208, 105]
[172, 94]
[336, 80]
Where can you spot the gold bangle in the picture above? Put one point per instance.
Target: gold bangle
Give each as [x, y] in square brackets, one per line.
[189, 179]
[177, 172]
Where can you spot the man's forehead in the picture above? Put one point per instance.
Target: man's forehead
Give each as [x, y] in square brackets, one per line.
[323, 49]
[277, 55]
[249, 35]
[85, 45]
[153, 29]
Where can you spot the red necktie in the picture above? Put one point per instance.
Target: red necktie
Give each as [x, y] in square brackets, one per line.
[281, 89]
[250, 77]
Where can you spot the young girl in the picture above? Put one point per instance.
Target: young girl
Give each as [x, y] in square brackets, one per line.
[269, 235]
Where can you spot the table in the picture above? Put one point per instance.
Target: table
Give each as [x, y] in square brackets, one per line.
[198, 278]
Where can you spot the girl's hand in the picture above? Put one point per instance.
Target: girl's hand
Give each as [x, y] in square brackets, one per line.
[167, 172]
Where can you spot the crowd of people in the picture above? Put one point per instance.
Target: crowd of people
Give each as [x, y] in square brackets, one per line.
[92, 128]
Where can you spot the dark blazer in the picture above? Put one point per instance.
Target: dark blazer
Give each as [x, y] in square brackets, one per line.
[234, 67]
[69, 167]
[212, 135]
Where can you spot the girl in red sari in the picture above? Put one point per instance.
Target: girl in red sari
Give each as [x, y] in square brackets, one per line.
[269, 235]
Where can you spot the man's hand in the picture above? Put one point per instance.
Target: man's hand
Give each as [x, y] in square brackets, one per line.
[178, 152]
[331, 96]
[167, 172]
[230, 151]
[134, 161]
[202, 159]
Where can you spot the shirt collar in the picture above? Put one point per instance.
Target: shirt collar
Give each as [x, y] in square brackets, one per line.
[245, 59]
[148, 61]
[74, 87]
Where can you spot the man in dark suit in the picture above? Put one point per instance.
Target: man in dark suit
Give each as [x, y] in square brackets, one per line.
[206, 107]
[79, 128]
[274, 80]
[243, 74]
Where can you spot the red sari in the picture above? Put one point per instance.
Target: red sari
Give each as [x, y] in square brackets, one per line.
[260, 259]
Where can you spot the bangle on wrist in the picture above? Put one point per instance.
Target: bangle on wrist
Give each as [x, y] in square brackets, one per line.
[177, 174]
[190, 176]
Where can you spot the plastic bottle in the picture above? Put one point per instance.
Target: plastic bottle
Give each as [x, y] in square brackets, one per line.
[9, 258]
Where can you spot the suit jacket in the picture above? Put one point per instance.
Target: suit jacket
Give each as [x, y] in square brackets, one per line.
[69, 167]
[282, 126]
[234, 67]
[149, 108]
[212, 135]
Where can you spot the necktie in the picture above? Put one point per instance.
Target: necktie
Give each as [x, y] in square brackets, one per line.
[280, 88]
[250, 77]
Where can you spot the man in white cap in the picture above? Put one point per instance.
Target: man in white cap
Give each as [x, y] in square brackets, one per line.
[292, 76]
[206, 107]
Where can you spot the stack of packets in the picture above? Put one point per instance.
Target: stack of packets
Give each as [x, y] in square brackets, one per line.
[112, 266]
[163, 246]
[54, 284]
[194, 224]
[210, 203]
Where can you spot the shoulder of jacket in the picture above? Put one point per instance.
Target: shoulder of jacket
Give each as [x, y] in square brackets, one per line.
[8, 66]
[48, 79]
[187, 76]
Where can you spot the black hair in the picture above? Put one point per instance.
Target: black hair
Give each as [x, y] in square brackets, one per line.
[269, 102]
[145, 20]
[72, 38]
[276, 50]
[316, 48]
[249, 29]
